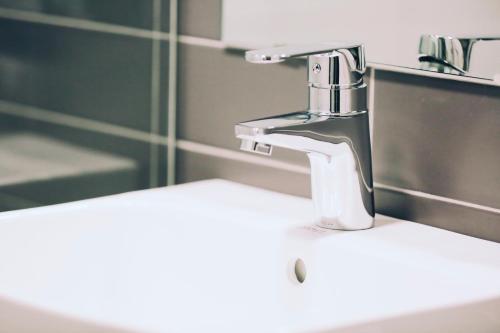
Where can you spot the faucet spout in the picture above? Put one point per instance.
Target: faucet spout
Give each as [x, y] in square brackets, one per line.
[339, 152]
[256, 147]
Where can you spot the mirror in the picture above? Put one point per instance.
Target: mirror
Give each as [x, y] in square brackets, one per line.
[425, 35]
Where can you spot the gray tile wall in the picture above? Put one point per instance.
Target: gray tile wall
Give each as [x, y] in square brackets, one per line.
[200, 18]
[90, 74]
[438, 136]
[435, 140]
[436, 155]
[194, 166]
[133, 13]
[86, 73]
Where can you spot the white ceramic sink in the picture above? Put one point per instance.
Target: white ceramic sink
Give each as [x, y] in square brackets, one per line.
[216, 256]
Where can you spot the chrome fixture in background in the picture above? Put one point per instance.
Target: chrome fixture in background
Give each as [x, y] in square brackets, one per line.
[334, 131]
[390, 29]
[447, 54]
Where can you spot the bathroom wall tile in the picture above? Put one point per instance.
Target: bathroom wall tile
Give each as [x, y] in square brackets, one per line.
[100, 76]
[71, 188]
[137, 150]
[9, 123]
[461, 219]
[199, 18]
[162, 165]
[10, 202]
[165, 15]
[127, 170]
[217, 89]
[133, 13]
[438, 136]
[193, 166]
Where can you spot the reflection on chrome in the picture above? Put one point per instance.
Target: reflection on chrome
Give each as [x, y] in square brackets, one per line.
[447, 54]
[334, 132]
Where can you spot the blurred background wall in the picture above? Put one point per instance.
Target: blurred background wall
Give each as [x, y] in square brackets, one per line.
[83, 99]
[85, 111]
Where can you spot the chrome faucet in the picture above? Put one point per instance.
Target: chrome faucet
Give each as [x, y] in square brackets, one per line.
[334, 131]
[447, 54]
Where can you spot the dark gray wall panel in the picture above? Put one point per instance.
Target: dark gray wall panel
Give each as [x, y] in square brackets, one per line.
[134, 13]
[109, 180]
[438, 136]
[194, 166]
[199, 18]
[100, 76]
[464, 220]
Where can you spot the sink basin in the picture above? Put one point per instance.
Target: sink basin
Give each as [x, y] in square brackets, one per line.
[223, 257]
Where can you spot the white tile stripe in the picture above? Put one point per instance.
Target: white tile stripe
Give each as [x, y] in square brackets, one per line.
[172, 94]
[437, 198]
[30, 112]
[200, 148]
[199, 41]
[76, 23]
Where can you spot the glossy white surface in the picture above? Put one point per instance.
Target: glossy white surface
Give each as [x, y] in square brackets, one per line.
[216, 256]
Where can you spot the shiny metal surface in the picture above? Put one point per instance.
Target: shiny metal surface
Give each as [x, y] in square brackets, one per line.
[335, 73]
[282, 53]
[392, 35]
[447, 54]
[334, 133]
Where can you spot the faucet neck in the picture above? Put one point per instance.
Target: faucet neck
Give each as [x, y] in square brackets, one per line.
[338, 101]
[336, 84]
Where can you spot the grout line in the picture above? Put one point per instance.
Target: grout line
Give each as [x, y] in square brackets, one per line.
[30, 112]
[155, 96]
[199, 41]
[76, 23]
[437, 198]
[200, 148]
[172, 94]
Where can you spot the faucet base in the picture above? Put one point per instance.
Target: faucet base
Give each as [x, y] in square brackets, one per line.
[336, 191]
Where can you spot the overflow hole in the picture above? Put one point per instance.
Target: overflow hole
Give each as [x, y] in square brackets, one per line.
[300, 270]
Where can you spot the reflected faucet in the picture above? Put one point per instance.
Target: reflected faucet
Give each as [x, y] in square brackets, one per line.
[333, 131]
[447, 54]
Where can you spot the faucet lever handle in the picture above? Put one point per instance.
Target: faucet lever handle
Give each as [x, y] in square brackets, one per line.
[335, 73]
[282, 53]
